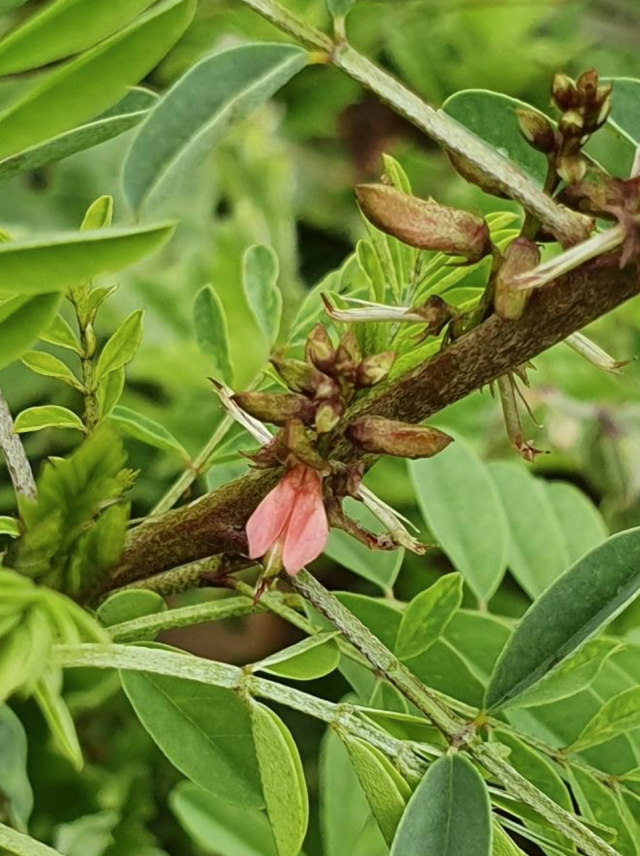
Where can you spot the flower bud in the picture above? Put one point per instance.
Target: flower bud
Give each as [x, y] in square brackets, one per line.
[521, 255]
[297, 442]
[571, 168]
[537, 131]
[436, 313]
[474, 175]
[572, 123]
[388, 437]
[301, 376]
[348, 356]
[563, 92]
[375, 368]
[319, 349]
[423, 223]
[328, 415]
[274, 407]
[587, 85]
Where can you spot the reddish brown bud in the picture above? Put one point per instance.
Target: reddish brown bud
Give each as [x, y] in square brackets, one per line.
[423, 223]
[564, 92]
[319, 349]
[436, 313]
[537, 130]
[328, 415]
[296, 441]
[348, 356]
[571, 168]
[276, 408]
[375, 368]
[388, 437]
[301, 376]
[520, 256]
[471, 173]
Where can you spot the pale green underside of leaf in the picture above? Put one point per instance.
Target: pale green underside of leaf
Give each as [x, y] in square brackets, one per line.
[22, 319]
[200, 109]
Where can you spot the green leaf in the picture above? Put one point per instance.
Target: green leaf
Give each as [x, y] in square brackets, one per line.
[83, 88]
[99, 214]
[598, 803]
[572, 676]
[625, 112]
[211, 823]
[347, 824]
[122, 346]
[59, 333]
[378, 566]
[503, 844]
[536, 555]
[205, 732]
[427, 616]
[22, 320]
[46, 416]
[23, 845]
[147, 430]
[535, 768]
[581, 523]
[386, 791]
[307, 660]
[584, 599]
[339, 8]
[15, 788]
[67, 259]
[127, 605]
[260, 269]
[9, 526]
[618, 715]
[283, 782]
[199, 110]
[492, 117]
[448, 814]
[63, 28]
[462, 508]
[46, 364]
[123, 116]
[58, 718]
[212, 335]
[88, 835]
[110, 391]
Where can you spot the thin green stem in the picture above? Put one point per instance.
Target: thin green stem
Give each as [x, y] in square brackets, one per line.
[570, 227]
[187, 616]
[346, 717]
[455, 730]
[197, 468]
[12, 450]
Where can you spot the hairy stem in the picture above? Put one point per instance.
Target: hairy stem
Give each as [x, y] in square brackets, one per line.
[187, 667]
[14, 455]
[385, 663]
[569, 226]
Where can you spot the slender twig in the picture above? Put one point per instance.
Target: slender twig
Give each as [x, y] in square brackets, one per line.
[569, 226]
[14, 455]
[187, 667]
[385, 663]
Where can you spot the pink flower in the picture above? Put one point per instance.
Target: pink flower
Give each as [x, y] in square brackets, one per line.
[291, 518]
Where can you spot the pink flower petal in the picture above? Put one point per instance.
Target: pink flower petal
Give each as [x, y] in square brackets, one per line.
[308, 530]
[271, 516]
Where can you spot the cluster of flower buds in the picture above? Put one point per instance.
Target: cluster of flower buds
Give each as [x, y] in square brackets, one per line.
[320, 386]
[424, 223]
[584, 106]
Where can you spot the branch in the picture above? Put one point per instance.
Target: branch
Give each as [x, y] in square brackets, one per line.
[568, 226]
[13, 451]
[215, 523]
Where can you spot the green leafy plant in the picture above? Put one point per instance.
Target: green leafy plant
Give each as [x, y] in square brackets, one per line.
[474, 690]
